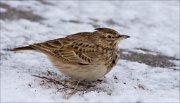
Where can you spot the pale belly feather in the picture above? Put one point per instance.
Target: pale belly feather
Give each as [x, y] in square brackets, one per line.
[81, 72]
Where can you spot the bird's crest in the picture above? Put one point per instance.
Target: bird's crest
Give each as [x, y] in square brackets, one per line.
[106, 30]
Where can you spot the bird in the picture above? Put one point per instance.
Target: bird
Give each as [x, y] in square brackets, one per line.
[82, 56]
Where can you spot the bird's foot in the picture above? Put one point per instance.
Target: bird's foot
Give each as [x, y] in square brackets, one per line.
[73, 90]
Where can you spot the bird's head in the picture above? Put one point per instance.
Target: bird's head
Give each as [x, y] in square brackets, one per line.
[109, 36]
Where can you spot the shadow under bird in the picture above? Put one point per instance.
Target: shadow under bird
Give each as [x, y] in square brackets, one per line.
[82, 56]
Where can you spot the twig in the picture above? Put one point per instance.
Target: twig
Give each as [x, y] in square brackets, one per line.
[51, 80]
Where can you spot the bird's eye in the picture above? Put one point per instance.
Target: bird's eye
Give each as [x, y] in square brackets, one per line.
[109, 36]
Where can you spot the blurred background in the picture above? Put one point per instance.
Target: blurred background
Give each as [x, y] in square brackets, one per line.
[153, 25]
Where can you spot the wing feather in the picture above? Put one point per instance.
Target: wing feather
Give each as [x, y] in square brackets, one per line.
[74, 52]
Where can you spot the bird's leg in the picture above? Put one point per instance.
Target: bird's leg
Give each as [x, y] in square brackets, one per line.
[74, 90]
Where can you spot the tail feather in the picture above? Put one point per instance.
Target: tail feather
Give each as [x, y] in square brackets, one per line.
[22, 48]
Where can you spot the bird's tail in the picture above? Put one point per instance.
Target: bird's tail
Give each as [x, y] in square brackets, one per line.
[21, 48]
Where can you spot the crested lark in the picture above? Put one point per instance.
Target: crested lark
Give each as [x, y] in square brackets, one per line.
[82, 56]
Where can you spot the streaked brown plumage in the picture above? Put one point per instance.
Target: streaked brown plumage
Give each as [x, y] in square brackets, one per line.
[82, 56]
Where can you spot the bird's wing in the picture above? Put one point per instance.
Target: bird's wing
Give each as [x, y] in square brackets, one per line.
[72, 51]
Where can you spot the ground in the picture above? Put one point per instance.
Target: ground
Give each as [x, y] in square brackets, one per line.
[148, 70]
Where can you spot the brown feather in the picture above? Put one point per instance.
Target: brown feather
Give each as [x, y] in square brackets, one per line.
[22, 48]
[84, 55]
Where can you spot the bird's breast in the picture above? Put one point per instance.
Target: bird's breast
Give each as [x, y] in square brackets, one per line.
[112, 58]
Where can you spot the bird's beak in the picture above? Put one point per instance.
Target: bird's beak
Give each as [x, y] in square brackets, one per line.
[124, 36]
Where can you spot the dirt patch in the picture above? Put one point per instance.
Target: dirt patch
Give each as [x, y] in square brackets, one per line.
[14, 14]
[147, 58]
[95, 22]
[66, 86]
[45, 2]
[92, 22]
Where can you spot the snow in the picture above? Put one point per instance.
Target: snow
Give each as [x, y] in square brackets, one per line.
[152, 25]
[3, 10]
